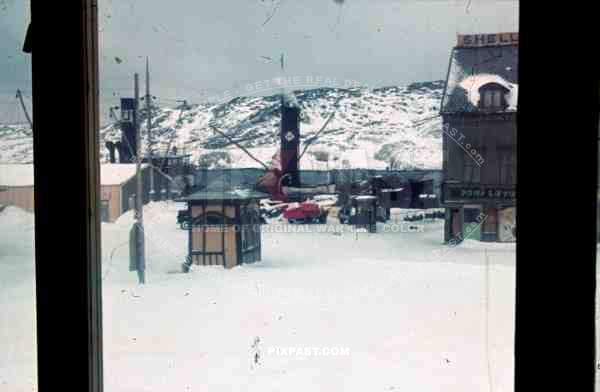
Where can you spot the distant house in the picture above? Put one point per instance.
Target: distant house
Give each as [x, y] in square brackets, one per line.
[118, 186]
[16, 183]
[479, 111]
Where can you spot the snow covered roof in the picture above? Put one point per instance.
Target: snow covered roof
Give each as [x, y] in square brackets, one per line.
[473, 83]
[21, 175]
[472, 68]
[223, 195]
[16, 175]
[360, 158]
[117, 173]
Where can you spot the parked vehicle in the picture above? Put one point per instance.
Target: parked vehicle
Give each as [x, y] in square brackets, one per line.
[348, 214]
[271, 209]
[270, 213]
[305, 212]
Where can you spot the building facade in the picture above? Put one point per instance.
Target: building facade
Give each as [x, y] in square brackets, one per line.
[479, 111]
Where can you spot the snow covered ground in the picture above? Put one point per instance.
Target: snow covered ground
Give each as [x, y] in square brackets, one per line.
[410, 314]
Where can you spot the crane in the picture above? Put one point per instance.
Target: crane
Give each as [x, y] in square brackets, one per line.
[20, 98]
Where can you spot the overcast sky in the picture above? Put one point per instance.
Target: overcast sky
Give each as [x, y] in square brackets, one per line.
[204, 48]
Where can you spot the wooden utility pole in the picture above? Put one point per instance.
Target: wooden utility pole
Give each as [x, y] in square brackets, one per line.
[282, 75]
[20, 97]
[149, 128]
[139, 201]
[148, 103]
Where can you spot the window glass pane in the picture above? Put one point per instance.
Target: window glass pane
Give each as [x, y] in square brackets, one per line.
[296, 115]
[472, 169]
[598, 269]
[18, 351]
[487, 96]
[497, 98]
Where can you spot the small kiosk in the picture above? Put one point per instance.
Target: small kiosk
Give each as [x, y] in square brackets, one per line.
[224, 227]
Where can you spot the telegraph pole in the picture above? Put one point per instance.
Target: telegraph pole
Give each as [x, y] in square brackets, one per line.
[139, 202]
[148, 118]
[282, 65]
[149, 127]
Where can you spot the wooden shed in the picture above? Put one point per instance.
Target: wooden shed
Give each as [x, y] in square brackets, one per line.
[16, 181]
[118, 185]
[118, 188]
[225, 227]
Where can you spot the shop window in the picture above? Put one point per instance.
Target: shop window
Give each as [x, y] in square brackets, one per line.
[472, 215]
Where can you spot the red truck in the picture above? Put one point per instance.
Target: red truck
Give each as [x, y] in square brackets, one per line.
[305, 212]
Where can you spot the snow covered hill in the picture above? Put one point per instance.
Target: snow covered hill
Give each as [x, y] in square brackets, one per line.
[371, 129]
[16, 144]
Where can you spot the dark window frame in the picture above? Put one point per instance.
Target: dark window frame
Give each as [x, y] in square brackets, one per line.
[490, 91]
[63, 43]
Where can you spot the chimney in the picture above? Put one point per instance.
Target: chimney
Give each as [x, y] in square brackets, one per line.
[290, 142]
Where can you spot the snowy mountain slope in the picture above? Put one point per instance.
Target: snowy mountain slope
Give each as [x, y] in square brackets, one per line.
[16, 144]
[371, 128]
